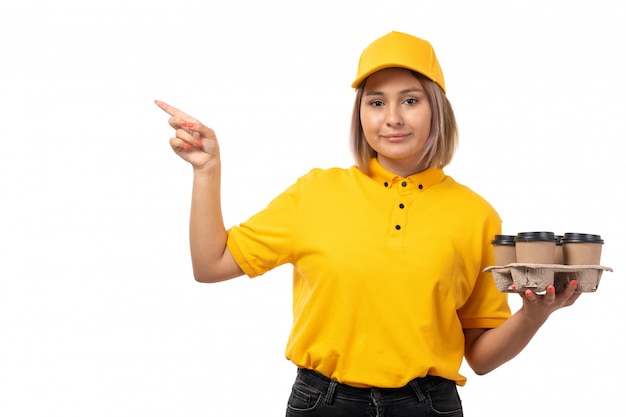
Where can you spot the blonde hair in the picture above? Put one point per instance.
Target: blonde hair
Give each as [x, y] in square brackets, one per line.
[442, 141]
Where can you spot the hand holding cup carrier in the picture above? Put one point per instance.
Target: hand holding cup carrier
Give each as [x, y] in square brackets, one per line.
[536, 260]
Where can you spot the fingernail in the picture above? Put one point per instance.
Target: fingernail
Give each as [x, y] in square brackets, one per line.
[550, 288]
[190, 125]
[187, 146]
[513, 287]
[198, 144]
[574, 283]
[183, 123]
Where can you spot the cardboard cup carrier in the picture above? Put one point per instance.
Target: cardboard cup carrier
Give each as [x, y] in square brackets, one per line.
[536, 260]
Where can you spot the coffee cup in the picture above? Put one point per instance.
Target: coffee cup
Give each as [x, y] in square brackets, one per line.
[582, 249]
[535, 247]
[504, 249]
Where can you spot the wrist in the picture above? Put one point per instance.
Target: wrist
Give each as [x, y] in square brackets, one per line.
[532, 317]
[210, 170]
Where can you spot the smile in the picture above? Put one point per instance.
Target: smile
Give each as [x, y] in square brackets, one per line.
[396, 137]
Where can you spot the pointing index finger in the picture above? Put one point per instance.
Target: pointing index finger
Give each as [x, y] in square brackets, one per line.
[173, 111]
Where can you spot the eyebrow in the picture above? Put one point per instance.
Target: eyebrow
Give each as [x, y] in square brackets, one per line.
[405, 91]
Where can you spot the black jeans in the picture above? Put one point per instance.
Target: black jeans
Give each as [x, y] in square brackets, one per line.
[317, 396]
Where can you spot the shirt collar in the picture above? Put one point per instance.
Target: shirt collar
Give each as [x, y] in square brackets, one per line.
[421, 181]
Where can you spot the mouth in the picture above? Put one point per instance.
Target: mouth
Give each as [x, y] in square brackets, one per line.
[395, 137]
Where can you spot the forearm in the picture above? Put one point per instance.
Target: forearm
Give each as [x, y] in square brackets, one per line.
[207, 233]
[495, 347]
[485, 350]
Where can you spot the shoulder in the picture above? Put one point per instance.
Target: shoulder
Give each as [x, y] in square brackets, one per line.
[324, 185]
[331, 175]
[466, 197]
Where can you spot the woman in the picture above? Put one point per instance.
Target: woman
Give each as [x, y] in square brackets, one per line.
[389, 293]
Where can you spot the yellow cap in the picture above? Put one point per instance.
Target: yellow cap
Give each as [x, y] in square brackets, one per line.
[397, 49]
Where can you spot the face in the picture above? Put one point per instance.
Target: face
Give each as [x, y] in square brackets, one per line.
[396, 117]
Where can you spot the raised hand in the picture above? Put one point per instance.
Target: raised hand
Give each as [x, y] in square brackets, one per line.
[194, 142]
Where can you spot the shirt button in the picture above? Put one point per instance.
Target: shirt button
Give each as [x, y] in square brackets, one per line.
[420, 186]
[386, 184]
[398, 227]
[404, 183]
[401, 205]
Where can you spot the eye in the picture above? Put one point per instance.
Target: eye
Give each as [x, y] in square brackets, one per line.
[411, 101]
[376, 103]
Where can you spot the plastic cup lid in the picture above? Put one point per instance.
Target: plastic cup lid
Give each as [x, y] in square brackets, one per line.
[581, 238]
[535, 237]
[503, 240]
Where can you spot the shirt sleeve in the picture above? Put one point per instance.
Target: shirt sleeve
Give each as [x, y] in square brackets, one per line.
[265, 240]
[486, 306]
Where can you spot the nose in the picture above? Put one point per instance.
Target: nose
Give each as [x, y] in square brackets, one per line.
[394, 115]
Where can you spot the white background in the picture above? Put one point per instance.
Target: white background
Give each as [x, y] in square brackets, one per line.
[99, 313]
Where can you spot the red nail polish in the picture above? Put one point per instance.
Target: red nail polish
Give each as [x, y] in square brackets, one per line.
[198, 144]
[187, 146]
[189, 125]
[574, 283]
[550, 288]
[183, 123]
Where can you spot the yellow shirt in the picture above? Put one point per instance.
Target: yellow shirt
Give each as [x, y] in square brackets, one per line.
[387, 271]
